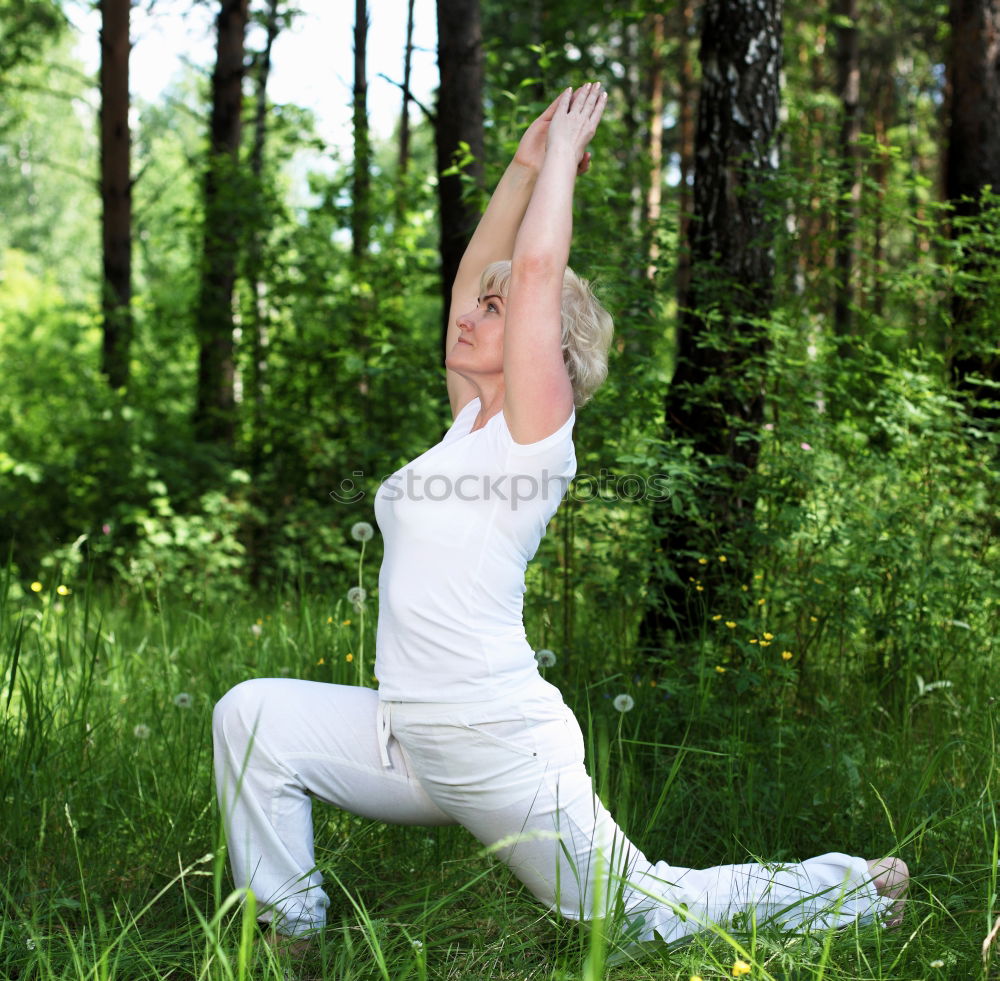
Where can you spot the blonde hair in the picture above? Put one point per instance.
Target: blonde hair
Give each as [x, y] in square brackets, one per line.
[586, 328]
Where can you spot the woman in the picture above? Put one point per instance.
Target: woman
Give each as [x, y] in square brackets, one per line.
[463, 729]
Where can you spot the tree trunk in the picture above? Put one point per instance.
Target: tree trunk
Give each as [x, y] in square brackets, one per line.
[361, 182]
[458, 133]
[849, 91]
[404, 116]
[716, 399]
[116, 191]
[654, 193]
[686, 97]
[215, 410]
[972, 164]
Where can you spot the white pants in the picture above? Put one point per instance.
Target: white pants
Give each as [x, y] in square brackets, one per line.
[511, 771]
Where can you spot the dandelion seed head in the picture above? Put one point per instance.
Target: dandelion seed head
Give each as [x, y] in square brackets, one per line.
[356, 596]
[141, 731]
[183, 700]
[361, 531]
[623, 703]
[545, 658]
[256, 629]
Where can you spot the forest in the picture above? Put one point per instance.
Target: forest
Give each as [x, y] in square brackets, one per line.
[771, 594]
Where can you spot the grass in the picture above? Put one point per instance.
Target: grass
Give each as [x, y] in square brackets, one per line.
[114, 867]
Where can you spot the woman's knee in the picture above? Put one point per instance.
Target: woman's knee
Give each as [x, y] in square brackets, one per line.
[240, 712]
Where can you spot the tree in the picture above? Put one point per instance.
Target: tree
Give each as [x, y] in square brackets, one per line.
[214, 416]
[972, 166]
[716, 398]
[361, 184]
[458, 133]
[116, 191]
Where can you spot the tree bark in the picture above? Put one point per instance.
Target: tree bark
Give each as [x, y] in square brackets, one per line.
[686, 97]
[215, 409]
[973, 164]
[404, 116]
[458, 133]
[361, 180]
[716, 399]
[116, 191]
[654, 193]
[849, 92]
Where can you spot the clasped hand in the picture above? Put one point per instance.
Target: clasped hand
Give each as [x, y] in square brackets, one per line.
[570, 120]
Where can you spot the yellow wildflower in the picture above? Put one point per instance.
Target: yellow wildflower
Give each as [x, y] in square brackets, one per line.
[786, 655]
[717, 616]
[740, 968]
[322, 660]
[720, 669]
[36, 586]
[329, 619]
[702, 561]
[744, 587]
[765, 643]
[695, 977]
[768, 636]
[260, 620]
[348, 657]
[722, 558]
[346, 623]
[63, 590]
[814, 619]
[761, 601]
[731, 624]
[753, 640]
[700, 588]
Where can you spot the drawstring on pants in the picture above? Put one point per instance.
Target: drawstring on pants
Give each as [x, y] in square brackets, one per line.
[384, 731]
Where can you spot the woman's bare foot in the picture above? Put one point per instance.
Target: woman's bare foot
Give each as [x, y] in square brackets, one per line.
[291, 946]
[891, 878]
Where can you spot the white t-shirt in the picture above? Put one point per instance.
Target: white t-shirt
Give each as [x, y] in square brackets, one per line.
[460, 523]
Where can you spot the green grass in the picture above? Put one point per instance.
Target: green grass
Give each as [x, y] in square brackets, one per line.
[113, 866]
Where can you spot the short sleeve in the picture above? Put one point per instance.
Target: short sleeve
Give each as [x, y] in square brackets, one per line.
[564, 434]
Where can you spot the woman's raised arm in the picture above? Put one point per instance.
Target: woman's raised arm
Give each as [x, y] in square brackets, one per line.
[538, 393]
[494, 236]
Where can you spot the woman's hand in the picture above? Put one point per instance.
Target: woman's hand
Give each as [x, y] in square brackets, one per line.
[531, 150]
[573, 123]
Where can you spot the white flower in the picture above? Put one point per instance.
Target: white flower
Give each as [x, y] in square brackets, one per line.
[356, 596]
[545, 658]
[417, 944]
[141, 731]
[361, 531]
[937, 963]
[183, 700]
[624, 703]
[256, 629]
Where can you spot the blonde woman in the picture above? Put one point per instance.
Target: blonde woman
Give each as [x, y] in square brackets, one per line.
[462, 728]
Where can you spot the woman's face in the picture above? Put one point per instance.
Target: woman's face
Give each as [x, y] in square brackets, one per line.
[479, 348]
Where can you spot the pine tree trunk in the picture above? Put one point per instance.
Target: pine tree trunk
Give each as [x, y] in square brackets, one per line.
[686, 97]
[215, 410]
[849, 92]
[361, 181]
[972, 163]
[458, 133]
[116, 191]
[716, 399]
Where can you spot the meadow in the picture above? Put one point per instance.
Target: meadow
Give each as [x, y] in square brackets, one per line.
[114, 867]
